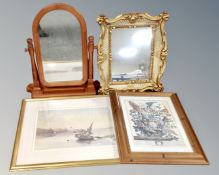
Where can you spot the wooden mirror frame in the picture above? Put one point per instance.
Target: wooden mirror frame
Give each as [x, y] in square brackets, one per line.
[158, 51]
[40, 87]
[36, 39]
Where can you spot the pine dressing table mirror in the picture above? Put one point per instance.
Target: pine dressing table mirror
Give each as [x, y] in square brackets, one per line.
[61, 58]
[132, 51]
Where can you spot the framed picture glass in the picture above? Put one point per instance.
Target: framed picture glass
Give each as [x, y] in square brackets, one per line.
[153, 128]
[61, 132]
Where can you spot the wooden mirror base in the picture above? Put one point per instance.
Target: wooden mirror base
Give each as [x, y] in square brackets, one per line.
[37, 92]
[40, 92]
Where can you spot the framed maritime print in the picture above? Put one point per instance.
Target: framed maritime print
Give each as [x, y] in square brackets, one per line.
[153, 128]
[61, 132]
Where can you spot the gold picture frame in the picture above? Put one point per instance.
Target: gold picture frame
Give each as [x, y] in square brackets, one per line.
[158, 54]
[33, 148]
[152, 128]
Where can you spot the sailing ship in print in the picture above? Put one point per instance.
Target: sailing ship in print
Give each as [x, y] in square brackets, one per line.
[152, 121]
[68, 128]
[84, 134]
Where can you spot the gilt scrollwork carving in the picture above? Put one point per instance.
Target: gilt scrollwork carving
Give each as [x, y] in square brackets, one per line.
[158, 51]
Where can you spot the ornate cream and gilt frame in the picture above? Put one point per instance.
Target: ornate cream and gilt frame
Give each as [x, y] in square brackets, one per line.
[158, 51]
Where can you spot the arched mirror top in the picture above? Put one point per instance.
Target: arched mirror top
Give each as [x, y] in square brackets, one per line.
[60, 40]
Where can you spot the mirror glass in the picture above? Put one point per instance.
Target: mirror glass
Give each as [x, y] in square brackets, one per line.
[131, 52]
[61, 46]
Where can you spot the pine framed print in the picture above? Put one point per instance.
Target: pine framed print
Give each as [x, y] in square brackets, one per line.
[65, 131]
[152, 128]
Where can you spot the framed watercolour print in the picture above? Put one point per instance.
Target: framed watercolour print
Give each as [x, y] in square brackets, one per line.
[61, 132]
[153, 128]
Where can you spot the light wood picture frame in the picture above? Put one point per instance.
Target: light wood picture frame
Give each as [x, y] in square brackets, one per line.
[152, 128]
[63, 132]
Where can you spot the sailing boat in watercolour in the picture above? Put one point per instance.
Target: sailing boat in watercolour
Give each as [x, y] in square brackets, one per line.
[85, 134]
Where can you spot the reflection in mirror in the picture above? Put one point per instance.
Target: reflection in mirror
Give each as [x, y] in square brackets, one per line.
[131, 52]
[60, 44]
